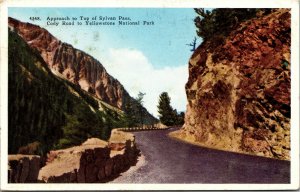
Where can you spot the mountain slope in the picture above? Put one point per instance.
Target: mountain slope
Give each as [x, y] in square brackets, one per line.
[77, 67]
[46, 111]
[239, 91]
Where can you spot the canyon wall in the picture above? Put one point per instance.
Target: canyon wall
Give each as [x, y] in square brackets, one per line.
[239, 91]
[76, 66]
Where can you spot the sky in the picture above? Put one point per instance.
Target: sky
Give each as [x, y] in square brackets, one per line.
[144, 58]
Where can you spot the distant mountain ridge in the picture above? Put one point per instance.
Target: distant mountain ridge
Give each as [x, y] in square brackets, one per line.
[76, 66]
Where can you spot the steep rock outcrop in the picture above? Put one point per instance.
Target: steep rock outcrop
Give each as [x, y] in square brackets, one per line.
[239, 92]
[93, 161]
[75, 66]
[23, 168]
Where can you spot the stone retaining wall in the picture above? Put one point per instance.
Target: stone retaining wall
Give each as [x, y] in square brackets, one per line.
[93, 161]
[23, 168]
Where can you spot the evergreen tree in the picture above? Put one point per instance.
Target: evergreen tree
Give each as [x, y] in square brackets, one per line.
[130, 115]
[180, 118]
[80, 125]
[220, 22]
[167, 114]
[140, 109]
[204, 23]
[140, 98]
[165, 110]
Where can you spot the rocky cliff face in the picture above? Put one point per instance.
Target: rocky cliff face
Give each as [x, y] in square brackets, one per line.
[239, 92]
[73, 64]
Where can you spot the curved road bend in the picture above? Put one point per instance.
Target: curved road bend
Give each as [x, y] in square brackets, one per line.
[171, 161]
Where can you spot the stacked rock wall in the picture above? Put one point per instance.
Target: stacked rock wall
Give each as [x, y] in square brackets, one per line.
[23, 168]
[94, 161]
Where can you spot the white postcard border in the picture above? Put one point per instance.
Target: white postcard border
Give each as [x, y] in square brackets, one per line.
[293, 4]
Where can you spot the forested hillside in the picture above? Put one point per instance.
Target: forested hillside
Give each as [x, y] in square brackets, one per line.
[46, 111]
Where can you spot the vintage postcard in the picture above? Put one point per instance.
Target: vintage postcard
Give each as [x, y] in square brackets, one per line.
[131, 95]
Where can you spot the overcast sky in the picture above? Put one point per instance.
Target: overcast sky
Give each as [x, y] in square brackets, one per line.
[150, 59]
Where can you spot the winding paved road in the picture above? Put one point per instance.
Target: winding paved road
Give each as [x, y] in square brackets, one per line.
[171, 161]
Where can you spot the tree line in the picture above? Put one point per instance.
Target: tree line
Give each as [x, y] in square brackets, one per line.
[218, 23]
[134, 113]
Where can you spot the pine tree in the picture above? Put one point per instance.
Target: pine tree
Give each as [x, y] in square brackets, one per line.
[140, 110]
[165, 110]
[220, 22]
[180, 118]
[130, 115]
